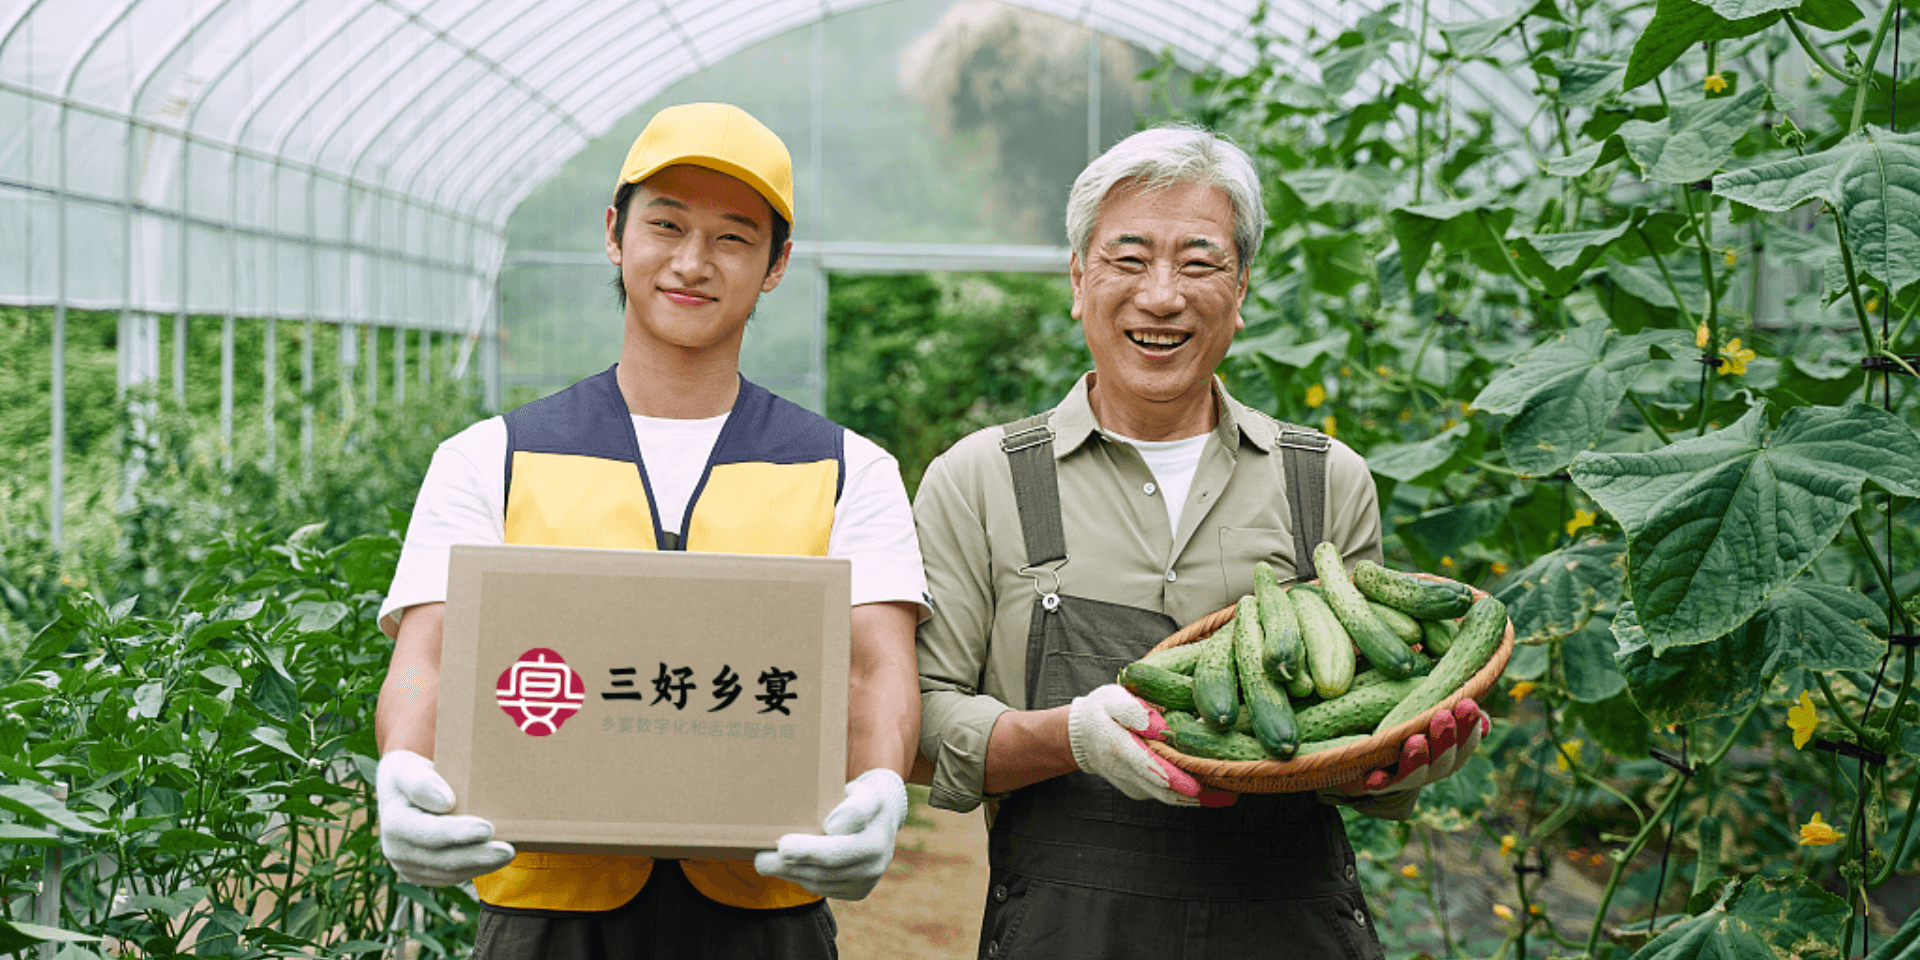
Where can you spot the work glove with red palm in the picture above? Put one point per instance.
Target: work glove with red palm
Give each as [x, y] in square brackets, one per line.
[1108, 729]
[1450, 741]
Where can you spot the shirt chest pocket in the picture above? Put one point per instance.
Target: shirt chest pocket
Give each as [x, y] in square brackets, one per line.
[1242, 547]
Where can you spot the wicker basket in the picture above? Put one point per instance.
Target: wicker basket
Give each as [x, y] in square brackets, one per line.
[1328, 767]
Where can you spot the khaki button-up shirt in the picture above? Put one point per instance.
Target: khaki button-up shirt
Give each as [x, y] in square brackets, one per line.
[1120, 549]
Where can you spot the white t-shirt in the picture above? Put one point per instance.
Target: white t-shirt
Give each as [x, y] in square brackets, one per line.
[1173, 463]
[463, 500]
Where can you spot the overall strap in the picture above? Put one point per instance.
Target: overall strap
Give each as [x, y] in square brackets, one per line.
[1028, 444]
[1303, 455]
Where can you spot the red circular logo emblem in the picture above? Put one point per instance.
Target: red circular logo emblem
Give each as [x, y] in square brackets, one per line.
[540, 692]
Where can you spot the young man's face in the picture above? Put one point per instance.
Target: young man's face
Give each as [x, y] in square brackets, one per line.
[1158, 298]
[693, 258]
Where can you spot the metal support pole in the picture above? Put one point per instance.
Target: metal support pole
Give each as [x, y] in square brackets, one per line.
[817, 377]
[47, 903]
[426, 358]
[306, 400]
[226, 393]
[56, 512]
[399, 366]
[270, 369]
[180, 354]
[373, 366]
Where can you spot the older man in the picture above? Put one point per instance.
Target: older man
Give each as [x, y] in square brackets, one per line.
[1061, 547]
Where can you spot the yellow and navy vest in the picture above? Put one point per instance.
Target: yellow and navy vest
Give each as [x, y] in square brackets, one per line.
[575, 478]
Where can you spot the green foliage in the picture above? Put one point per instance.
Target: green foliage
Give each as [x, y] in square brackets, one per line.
[217, 761]
[1609, 368]
[917, 361]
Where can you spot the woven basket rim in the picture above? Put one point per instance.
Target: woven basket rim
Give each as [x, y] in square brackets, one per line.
[1328, 767]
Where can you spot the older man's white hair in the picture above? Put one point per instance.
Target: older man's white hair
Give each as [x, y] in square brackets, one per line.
[1161, 157]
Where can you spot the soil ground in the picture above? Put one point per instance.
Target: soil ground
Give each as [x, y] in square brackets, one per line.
[929, 904]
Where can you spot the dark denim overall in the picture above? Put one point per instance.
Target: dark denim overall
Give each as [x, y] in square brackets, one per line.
[1081, 870]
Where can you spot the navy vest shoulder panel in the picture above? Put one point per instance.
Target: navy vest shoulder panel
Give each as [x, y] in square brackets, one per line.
[588, 419]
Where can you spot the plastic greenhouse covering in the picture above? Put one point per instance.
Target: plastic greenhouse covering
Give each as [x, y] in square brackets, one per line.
[441, 166]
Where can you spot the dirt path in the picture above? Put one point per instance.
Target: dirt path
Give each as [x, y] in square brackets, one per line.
[928, 906]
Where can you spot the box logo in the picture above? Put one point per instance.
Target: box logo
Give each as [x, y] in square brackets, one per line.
[540, 692]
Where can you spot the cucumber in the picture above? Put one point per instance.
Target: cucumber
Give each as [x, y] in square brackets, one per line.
[1216, 691]
[1388, 653]
[1415, 596]
[1356, 711]
[1437, 635]
[1183, 658]
[1402, 626]
[1329, 652]
[1160, 687]
[1279, 625]
[1473, 646]
[1193, 737]
[1302, 683]
[1267, 704]
[1316, 746]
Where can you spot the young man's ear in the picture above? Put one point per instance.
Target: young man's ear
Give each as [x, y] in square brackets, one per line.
[778, 271]
[613, 239]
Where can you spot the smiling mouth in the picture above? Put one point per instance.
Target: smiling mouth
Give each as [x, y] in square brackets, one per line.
[1159, 341]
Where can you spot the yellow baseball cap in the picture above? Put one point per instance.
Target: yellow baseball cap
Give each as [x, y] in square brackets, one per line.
[718, 136]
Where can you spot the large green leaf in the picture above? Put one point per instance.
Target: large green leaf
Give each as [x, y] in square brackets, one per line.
[1678, 25]
[1586, 658]
[1697, 140]
[1871, 177]
[1823, 626]
[1556, 594]
[1282, 347]
[1413, 462]
[1717, 524]
[1444, 532]
[1559, 395]
[1714, 679]
[1476, 224]
[41, 808]
[1616, 723]
[1318, 186]
[1762, 918]
[1584, 83]
[1559, 260]
[17, 935]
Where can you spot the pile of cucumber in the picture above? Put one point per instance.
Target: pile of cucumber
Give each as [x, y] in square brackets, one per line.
[1284, 677]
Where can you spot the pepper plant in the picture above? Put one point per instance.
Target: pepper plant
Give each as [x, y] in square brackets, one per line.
[218, 765]
[1642, 365]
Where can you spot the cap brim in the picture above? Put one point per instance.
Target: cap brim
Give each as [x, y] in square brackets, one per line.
[731, 169]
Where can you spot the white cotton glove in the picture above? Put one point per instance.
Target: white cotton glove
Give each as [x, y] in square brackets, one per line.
[425, 845]
[1105, 728]
[1452, 738]
[846, 862]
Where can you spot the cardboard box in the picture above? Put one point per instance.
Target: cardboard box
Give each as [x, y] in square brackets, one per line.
[634, 702]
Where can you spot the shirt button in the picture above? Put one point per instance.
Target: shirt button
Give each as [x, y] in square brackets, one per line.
[1349, 871]
[1000, 893]
[993, 948]
[1171, 576]
[1359, 916]
[1148, 489]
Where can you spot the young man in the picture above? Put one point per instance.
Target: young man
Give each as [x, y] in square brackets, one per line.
[670, 448]
[1063, 546]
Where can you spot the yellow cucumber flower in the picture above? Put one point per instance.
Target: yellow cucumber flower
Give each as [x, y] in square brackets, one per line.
[1328, 426]
[1503, 911]
[1316, 395]
[1507, 843]
[1410, 871]
[1736, 356]
[1802, 719]
[1521, 689]
[1569, 755]
[1581, 520]
[1700, 337]
[1715, 83]
[1814, 833]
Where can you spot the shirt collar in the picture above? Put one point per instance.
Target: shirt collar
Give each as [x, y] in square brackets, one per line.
[1073, 422]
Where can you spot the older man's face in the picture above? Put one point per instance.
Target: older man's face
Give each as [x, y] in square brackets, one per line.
[1159, 299]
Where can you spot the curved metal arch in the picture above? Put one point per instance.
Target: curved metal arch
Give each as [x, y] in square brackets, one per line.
[292, 68]
[287, 9]
[587, 69]
[87, 49]
[394, 68]
[145, 77]
[423, 118]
